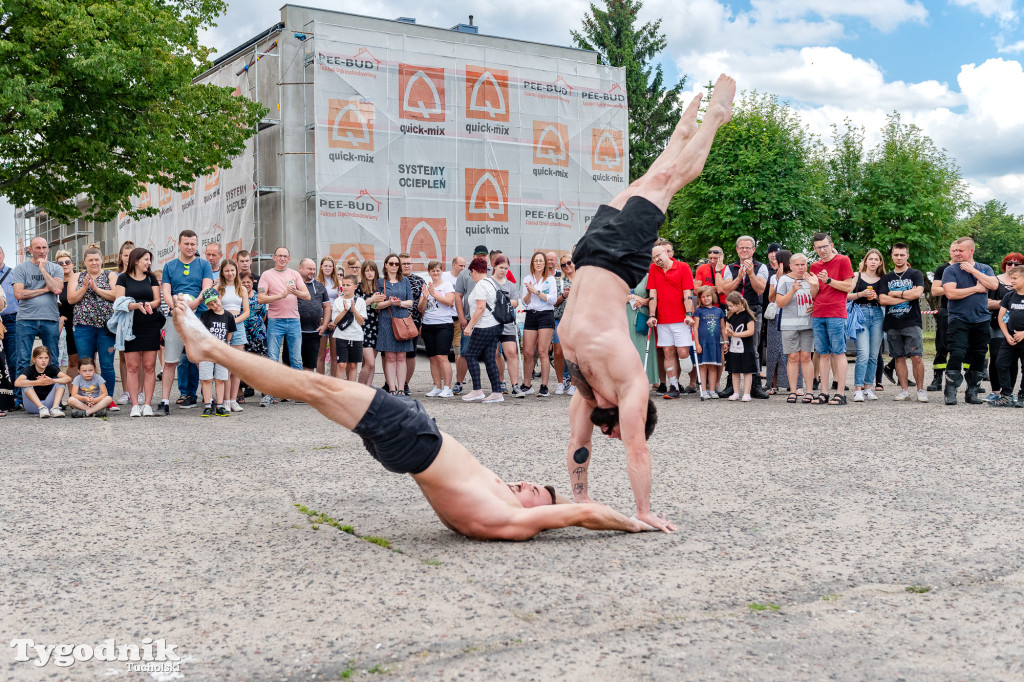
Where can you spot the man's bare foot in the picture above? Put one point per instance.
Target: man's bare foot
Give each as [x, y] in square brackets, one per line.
[720, 108]
[656, 520]
[197, 339]
[687, 125]
[685, 129]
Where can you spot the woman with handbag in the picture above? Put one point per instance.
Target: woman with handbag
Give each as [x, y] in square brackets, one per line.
[393, 333]
[482, 332]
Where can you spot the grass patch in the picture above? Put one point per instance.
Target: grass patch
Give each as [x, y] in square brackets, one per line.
[918, 589]
[349, 671]
[831, 597]
[377, 670]
[431, 562]
[317, 519]
[754, 606]
[327, 447]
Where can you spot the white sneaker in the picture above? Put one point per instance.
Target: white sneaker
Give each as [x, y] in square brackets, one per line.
[704, 395]
[526, 391]
[44, 413]
[147, 411]
[571, 390]
[734, 396]
[235, 407]
[124, 399]
[446, 392]
[56, 412]
[745, 398]
[713, 395]
[559, 388]
[922, 396]
[434, 392]
[469, 397]
[869, 393]
[136, 411]
[267, 401]
[858, 397]
[499, 399]
[902, 395]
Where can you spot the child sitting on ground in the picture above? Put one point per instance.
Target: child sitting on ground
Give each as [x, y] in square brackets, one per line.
[709, 340]
[222, 325]
[740, 360]
[88, 392]
[349, 314]
[43, 385]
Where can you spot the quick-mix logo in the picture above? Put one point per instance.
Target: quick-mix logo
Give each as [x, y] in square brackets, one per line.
[420, 176]
[421, 97]
[188, 198]
[487, 100]
[211, 189]
[607, 153]
[363, 63]
[550, 148]
[364, 207]
[123, 220]
[343, 251]
[560, 216]
[557, 89]
[486, 200]
[350, 126]
[614, 97]
[165, 198]
[424, 239]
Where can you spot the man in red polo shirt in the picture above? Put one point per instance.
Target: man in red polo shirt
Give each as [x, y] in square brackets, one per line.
[705, 275]
[671, 289]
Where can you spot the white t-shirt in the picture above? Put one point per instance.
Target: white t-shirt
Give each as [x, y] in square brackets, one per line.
[794, 316]
[483, 291]
[331, 293]
[437, 312]
[231, 301]
[354, 332]
[547, 287]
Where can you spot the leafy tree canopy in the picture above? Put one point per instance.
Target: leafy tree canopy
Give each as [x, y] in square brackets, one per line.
[995, 232]
[96, 97]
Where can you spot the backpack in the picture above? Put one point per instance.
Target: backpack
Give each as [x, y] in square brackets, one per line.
[503, 311]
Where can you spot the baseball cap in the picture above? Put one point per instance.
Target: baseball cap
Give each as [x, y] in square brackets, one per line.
[773, 247]
[480, 250]
[210, 295]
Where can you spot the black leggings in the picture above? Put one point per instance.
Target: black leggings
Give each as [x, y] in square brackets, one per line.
[483, 342]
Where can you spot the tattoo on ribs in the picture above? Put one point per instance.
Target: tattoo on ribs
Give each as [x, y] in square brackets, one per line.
[582, 385]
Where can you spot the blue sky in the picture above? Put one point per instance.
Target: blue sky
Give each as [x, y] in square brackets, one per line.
[953, 67]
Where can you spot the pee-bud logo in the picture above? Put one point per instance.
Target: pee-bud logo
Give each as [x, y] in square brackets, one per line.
[487, 94]
[421, 93]
[350, 124]
[607, 151]
[550, 143]
[425, 239]
[343, 251]
[486, 194]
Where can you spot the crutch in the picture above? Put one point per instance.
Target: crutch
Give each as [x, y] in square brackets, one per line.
[647, 351]
[696, 363]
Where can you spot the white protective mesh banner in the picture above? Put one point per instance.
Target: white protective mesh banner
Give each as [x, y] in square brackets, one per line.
[434, 147]
[218, 208]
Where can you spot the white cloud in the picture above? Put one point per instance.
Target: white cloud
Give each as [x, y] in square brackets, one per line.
[1012, 48]
[1001, 10]
[884, 15]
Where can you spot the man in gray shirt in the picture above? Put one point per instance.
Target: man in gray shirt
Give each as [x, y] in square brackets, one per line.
[37, 282]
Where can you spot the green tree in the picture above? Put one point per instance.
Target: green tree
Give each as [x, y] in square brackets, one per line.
[995, 231]
[97, 96]
[761, 179]
[843, 166]
[653, 108]
[911, 192]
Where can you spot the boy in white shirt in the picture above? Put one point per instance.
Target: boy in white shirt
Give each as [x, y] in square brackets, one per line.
[349, 314]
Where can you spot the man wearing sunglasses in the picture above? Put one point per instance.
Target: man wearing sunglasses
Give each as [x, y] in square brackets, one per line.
[611, 258]
[36, 285]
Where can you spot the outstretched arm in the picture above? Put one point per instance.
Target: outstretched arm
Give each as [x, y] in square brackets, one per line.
[525, 523]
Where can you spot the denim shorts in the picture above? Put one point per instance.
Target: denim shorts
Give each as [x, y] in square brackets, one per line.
[830, 335]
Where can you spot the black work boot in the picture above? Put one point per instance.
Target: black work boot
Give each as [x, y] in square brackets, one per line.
[953, 380]
[973, 394]
[727, 391]
[936, 384]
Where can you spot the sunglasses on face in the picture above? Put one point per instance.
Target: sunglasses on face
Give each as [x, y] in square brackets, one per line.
[63, 262]
[1012, 263]
[566, 264]
[714, 253]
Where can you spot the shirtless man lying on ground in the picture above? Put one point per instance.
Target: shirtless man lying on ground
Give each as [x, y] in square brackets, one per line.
[467, 497]
[611, 258]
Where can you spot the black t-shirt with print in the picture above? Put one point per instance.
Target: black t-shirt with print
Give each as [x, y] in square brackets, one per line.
[1014, 304]
[219, 325]
[42, 392]
[906, 313]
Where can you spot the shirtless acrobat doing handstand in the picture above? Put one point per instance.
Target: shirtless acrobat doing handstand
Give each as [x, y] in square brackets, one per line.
[611, 258]
[467, 497]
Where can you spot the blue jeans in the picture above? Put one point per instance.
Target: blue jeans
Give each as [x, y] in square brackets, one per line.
[48, 332]
[868, 343]
[97, 341]
[829, 335]
[188, 377]
[279, 329]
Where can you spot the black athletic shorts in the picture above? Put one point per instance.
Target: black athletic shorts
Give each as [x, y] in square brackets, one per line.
[539, 319]
[437, 338]
[621, 241]
[399, 434]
